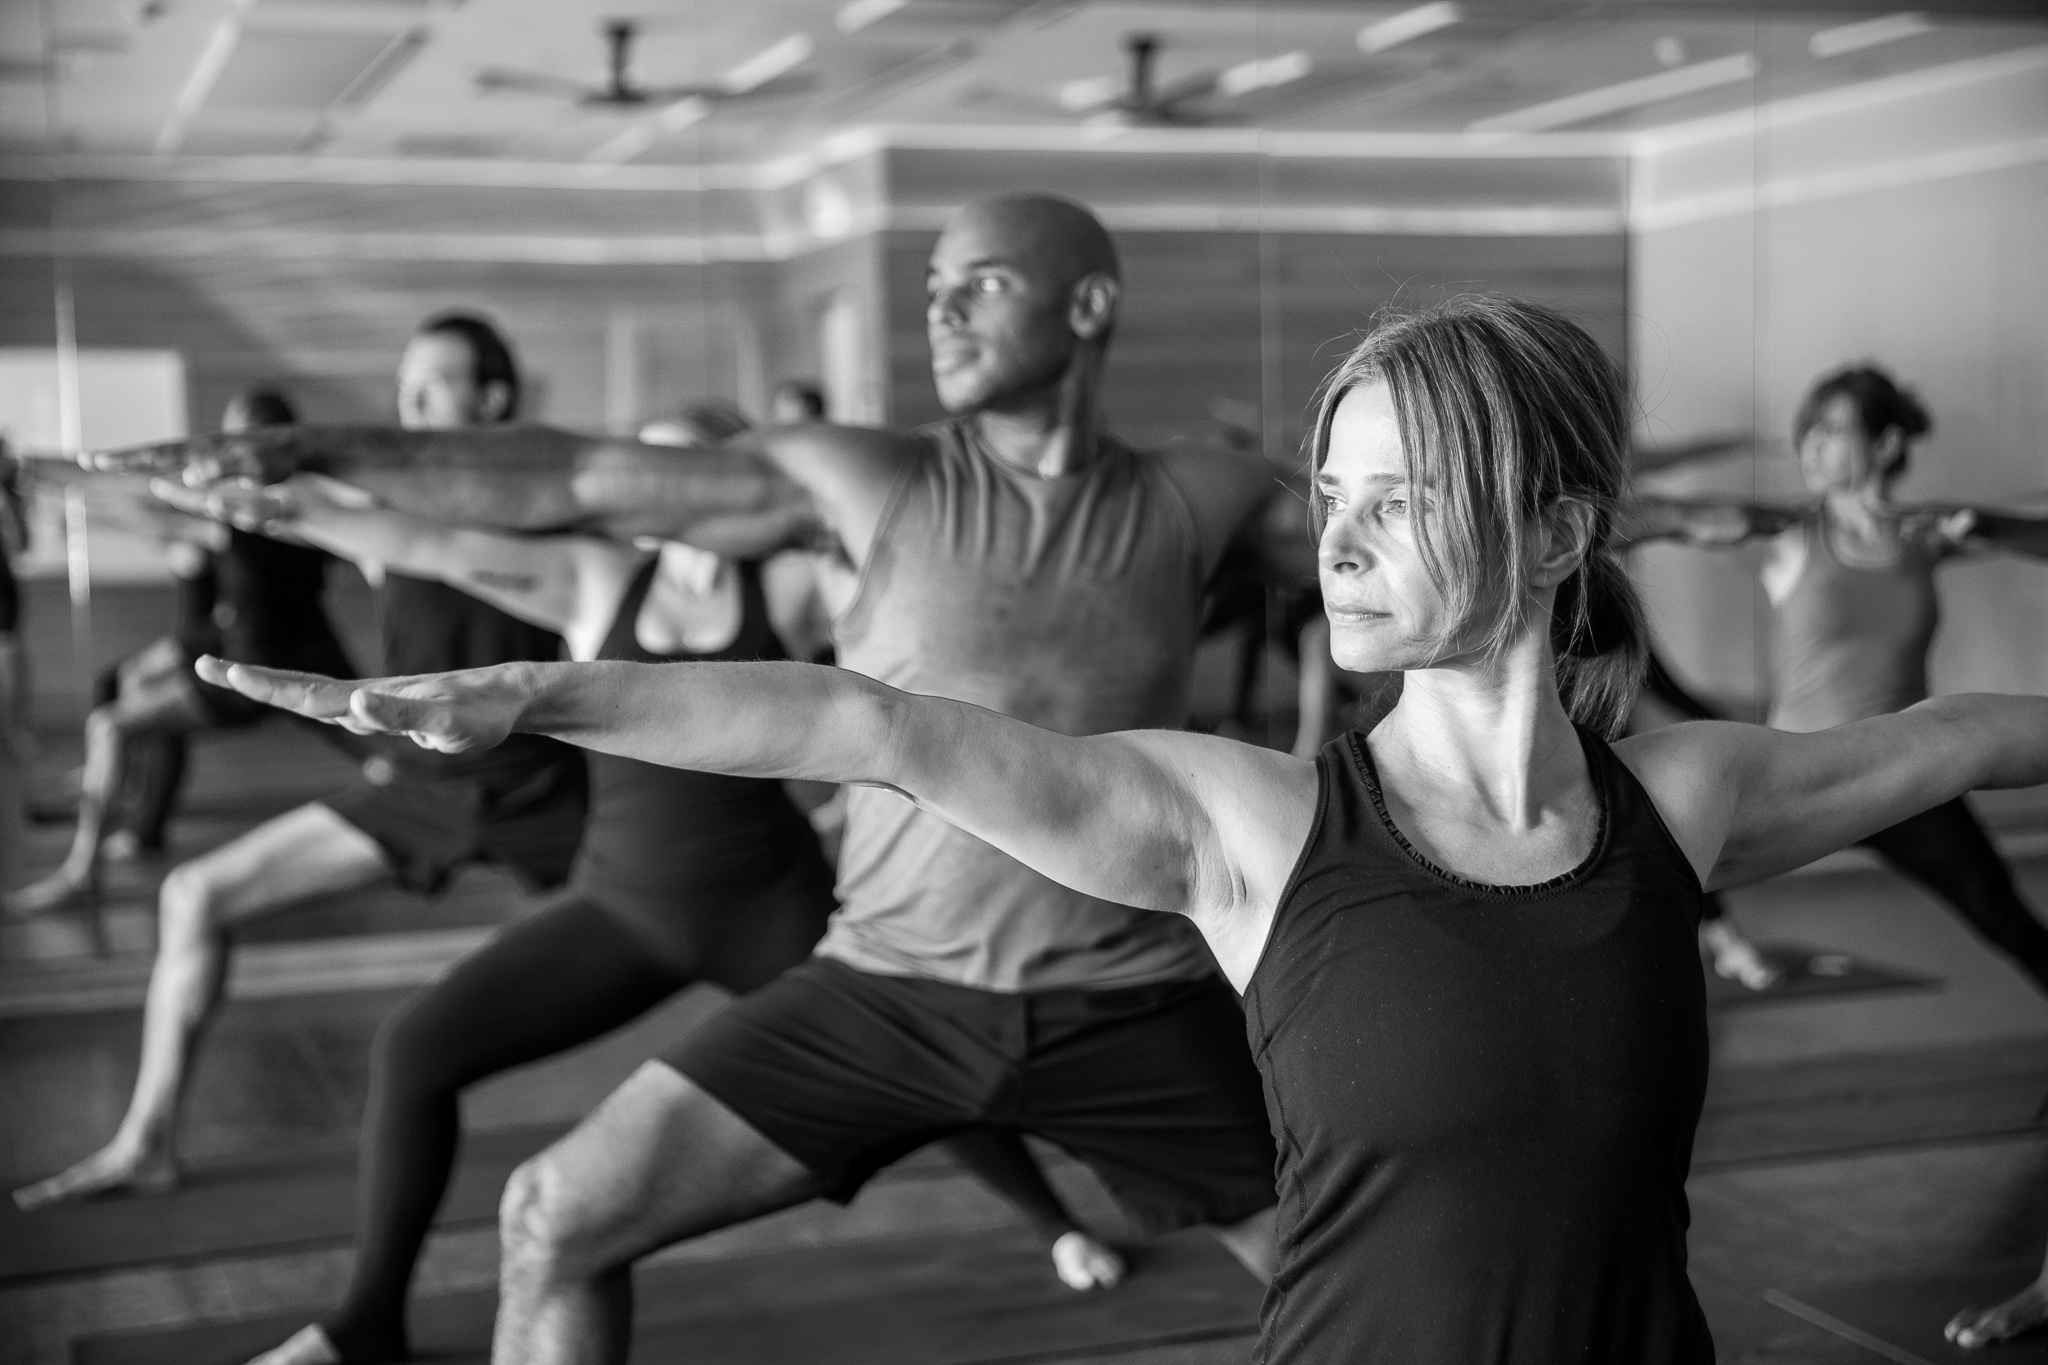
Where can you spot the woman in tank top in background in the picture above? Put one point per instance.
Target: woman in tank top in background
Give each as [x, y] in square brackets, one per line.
[682, 876]
[1853, 615]
[1466, 939]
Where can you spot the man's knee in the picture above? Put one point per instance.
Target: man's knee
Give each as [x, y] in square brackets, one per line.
[187, 908]
[539, 1234]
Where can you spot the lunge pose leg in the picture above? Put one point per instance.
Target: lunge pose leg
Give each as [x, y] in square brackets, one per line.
[249, 599]
[407, 820]
[1466, 939]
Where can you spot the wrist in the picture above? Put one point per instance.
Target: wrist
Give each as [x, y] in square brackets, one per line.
[533, 691]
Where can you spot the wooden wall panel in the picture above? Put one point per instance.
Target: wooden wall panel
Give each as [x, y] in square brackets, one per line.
[1200, 337]
[331, 331]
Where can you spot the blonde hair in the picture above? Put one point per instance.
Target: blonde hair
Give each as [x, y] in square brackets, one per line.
[1506, 408]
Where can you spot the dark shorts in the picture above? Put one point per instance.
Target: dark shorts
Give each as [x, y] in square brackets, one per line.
[428, 826]
[1152, 1087]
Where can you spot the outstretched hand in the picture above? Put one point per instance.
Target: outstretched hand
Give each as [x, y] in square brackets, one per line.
[262, 453]
[450, 713]
[242, 503]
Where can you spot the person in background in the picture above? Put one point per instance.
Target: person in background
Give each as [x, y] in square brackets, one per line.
[796, 400]
[15, 752]
[412, 818]
[239, 595]
[1854, 609]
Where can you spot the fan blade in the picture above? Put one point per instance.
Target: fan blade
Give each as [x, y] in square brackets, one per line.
[531, 82]
[1194, 87]
[779, 87]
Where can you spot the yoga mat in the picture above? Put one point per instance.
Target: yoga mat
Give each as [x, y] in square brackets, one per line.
[263, 1206]
[1808, 973]
[229, 1209]
[1900, 1318]
[1749, 1120]
[928, 1300]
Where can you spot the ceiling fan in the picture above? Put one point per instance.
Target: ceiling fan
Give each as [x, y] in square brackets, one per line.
[621, 91]
[1141, 102]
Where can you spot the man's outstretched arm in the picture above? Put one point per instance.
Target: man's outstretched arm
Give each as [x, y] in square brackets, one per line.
[761, 492]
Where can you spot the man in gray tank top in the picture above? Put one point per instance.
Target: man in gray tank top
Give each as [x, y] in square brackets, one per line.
[1015, 556]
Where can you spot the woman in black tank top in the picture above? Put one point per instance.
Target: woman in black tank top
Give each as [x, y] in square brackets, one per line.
[682, 876]
[1466, 938]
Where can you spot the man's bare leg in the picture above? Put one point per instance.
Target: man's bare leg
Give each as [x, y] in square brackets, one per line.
[2024, 1312]
[660, 1160]
[168, 703]
[306, 852]
[1252, 1241]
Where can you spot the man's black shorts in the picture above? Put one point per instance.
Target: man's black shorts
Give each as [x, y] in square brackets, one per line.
[1152, 1086]
[428, 825]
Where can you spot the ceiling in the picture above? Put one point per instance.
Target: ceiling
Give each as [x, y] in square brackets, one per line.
[396, 79]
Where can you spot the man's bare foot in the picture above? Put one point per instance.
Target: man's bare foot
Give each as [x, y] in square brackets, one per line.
[1735, 958]
[116, 1167]
[1977, 1327]
[60, 890]
[123, 846]
[307, 1346]
[1084, 1263]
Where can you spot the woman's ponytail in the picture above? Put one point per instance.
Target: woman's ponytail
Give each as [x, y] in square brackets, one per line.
[1601, 643]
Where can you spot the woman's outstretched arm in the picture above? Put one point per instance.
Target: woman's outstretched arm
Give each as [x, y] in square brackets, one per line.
[1159, 819]
[1747, 802]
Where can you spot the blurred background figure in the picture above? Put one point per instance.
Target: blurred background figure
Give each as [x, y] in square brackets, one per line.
[796, 400]
[241, 596]
[14, 741]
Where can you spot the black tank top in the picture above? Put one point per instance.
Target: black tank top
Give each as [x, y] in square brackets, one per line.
[268, 606]
[663, 842]
[1484, 1097]
[432, 628]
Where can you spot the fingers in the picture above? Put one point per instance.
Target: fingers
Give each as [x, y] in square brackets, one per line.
[163, 457]
[306, 694]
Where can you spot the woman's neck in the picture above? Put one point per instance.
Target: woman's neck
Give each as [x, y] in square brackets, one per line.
[1495, 735]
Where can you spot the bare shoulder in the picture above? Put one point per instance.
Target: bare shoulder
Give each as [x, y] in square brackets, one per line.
[1686, 771]
[848, 470]
[1259, 801]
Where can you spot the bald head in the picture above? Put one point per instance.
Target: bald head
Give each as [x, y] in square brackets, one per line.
[1018, 285]
[1053, 238]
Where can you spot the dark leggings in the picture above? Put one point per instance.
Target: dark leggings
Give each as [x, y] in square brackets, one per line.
[559, 978]
[1948, 852]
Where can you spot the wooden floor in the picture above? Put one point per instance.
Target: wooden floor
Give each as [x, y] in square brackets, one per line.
[1856, 1141]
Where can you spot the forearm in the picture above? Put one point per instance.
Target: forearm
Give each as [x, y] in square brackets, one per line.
[1997, 741]
[779, 720]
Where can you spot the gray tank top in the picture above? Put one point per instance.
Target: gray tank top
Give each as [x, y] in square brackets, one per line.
[1850, 642]
[1067, 602]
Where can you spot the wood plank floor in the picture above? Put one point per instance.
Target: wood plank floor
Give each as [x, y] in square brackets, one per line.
[1881, 1135]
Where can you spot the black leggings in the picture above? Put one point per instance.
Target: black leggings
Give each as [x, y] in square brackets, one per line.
[1948, 852]
[559, 978]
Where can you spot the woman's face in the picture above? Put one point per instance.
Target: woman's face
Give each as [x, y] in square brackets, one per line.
[1385, 611]
[1836, 454]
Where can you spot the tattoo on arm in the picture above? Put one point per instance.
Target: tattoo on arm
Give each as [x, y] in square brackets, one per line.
[504, 582]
